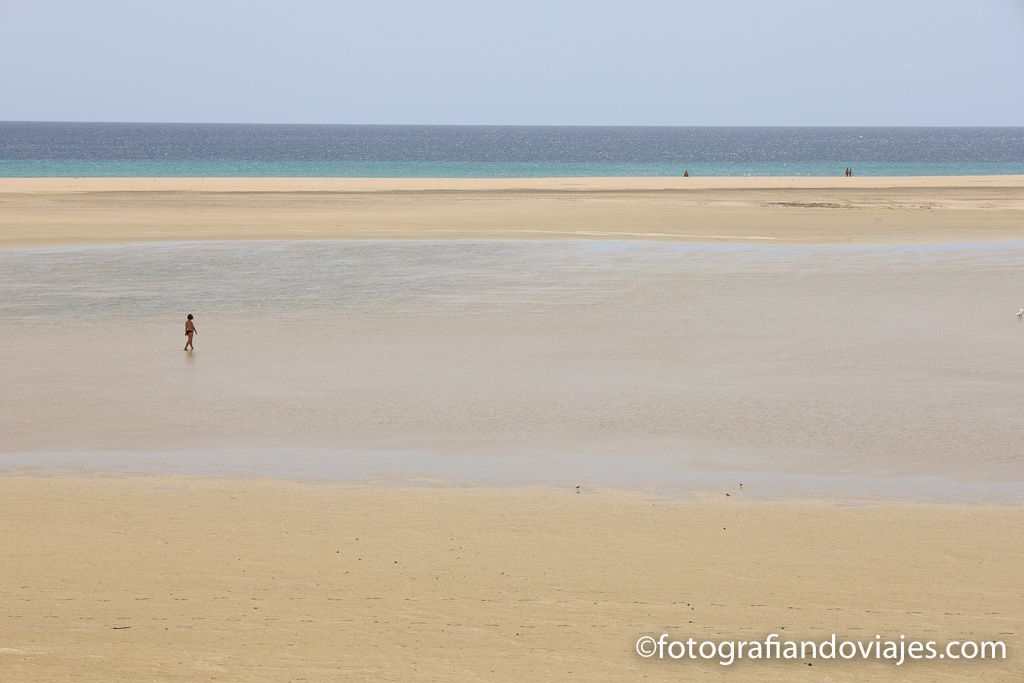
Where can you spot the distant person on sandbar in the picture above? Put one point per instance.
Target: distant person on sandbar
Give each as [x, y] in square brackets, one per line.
[847, 172]
[190, 331]
[686, 174]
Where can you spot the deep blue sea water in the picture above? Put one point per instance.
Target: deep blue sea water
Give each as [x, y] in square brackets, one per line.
[32, 149]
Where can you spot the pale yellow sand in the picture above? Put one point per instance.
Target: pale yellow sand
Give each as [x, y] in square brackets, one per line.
[144, 578]
[266, 580]
[54, 211]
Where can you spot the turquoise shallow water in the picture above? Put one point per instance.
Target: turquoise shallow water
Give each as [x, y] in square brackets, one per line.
[104, 168]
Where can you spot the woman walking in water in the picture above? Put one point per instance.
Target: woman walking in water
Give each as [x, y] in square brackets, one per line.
[190, 331]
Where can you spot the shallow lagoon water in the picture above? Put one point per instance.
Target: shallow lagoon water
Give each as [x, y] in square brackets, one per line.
[861, 370]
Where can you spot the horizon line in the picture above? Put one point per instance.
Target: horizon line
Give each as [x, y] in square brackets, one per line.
[493, 125]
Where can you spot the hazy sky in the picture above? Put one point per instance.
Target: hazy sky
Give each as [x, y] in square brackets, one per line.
[640, 62]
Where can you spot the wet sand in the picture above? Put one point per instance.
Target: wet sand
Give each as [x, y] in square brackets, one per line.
[183, 579]
[56, 211]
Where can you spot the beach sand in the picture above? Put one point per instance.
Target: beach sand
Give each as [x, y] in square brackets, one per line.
[55, 211]
[161, 578]
[417, 415]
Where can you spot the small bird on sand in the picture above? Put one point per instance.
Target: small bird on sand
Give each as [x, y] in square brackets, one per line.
[1020, 314]
[577, 489]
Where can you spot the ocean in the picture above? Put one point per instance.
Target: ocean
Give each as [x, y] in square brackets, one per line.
[38, 149]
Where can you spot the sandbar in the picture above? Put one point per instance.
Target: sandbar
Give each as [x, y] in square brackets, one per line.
[893, 210]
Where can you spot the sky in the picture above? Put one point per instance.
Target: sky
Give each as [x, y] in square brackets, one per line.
[525, 62]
